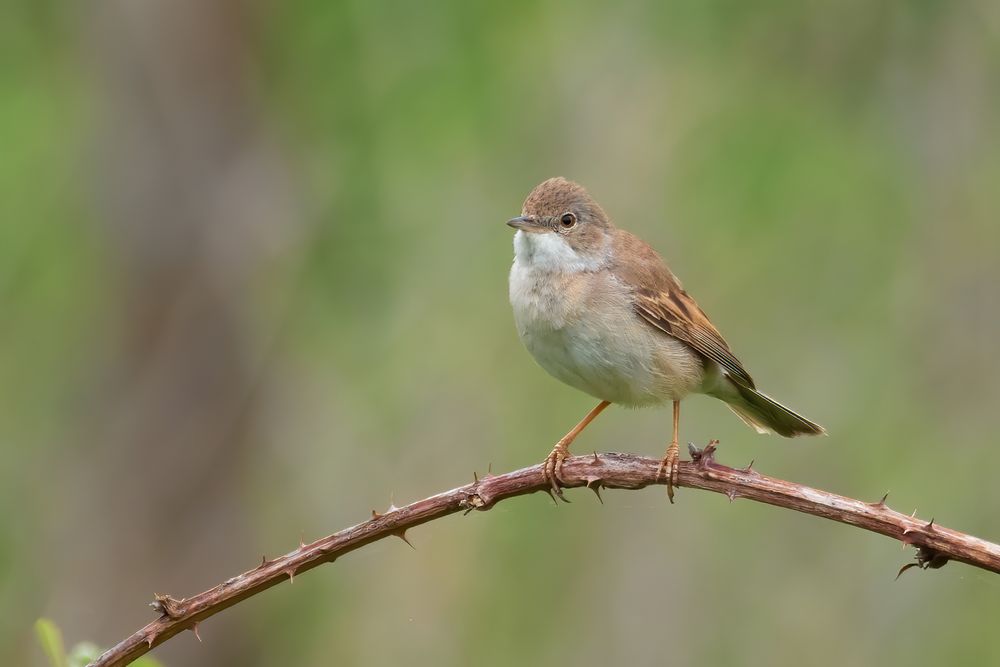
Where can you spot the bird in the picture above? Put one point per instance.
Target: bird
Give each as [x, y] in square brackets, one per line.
[600, 310]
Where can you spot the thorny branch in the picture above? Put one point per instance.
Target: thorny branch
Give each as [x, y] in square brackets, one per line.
[935, 544]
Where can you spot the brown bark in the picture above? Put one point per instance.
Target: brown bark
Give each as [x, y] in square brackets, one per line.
[935, 544]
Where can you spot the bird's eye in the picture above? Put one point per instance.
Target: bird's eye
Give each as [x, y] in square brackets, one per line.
[567, 220]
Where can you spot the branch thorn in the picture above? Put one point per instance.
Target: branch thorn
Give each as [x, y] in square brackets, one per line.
[880, 504]
[194, 629]
[401, 534]
[594, 484]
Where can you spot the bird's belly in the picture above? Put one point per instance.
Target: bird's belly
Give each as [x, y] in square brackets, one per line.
[583, 330]
[610, 363]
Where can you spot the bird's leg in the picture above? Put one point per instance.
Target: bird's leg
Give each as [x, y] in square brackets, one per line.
[554, 461]
[670, 459]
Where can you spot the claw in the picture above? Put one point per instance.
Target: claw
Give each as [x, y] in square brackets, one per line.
[552, 468]
[669, 466]
[552, 471]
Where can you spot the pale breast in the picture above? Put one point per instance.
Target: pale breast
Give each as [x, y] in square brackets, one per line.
[581, 328]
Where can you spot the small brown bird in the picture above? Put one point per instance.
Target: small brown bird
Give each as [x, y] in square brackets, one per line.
[599, 309]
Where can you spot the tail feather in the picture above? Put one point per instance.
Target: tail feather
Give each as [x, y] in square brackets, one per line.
[765, 415]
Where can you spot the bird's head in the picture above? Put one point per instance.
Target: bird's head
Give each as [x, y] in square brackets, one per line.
[561, 226]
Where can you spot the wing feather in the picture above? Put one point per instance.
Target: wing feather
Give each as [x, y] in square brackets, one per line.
[661, 301]
[695, 329]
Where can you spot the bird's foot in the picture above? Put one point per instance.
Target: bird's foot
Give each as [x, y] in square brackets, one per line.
[552, 470]
[669, 467]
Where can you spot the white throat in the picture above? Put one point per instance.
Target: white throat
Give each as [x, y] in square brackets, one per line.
[548, 251]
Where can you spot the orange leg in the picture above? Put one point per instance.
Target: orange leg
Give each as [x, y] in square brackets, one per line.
[670, 459]
[554, 461]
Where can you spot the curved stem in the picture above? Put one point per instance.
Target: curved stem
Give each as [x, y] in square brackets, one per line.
[935, 544]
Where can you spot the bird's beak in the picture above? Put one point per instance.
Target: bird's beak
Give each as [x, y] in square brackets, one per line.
[528, 223]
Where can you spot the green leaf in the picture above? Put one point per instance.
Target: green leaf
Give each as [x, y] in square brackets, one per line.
[83, 654]
[51, 640]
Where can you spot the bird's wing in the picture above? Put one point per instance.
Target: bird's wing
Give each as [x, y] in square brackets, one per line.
[660, 300]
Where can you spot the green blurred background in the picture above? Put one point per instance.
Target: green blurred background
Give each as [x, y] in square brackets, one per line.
[253, 279]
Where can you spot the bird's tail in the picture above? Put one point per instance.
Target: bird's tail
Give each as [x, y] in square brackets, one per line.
[765, 415]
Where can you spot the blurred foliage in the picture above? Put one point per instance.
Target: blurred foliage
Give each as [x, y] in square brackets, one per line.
[50, 639]
[821, 175]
